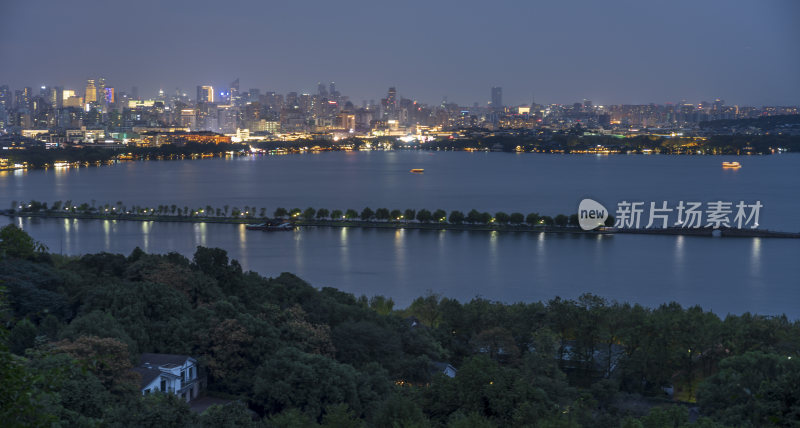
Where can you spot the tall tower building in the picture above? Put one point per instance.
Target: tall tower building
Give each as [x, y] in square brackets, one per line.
[109, 95]
[55, 96]
[234, 93]
[391, 97]
[91, 92]
[23, 99]
[205, 94]
[497, 98]
[5, 97]
[101, 90]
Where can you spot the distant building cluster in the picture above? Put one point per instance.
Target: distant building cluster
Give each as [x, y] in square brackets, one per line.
[99, 114]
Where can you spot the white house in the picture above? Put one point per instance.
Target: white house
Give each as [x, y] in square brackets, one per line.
[444, 368]
[176, 374]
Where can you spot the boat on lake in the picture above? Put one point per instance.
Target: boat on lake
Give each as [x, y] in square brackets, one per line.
[417, 170]
[731, 165]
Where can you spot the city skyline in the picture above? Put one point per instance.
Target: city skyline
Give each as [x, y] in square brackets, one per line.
[619, 53]
[220, 93]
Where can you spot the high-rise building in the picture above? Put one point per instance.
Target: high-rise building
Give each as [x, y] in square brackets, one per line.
[71, 98]
[497, 97]
[291, 99]
[101, 90]
[109, 95]
[5, 97]
[91, 92]
[23, 99]
[234, 94]
[55, 96]
[205, 94]
[254, 95]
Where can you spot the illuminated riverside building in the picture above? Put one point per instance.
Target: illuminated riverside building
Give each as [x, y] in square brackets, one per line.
[154, 139]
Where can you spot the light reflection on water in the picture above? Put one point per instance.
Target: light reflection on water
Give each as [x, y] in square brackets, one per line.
[400, 255]
[724, 274]
[755, 257]
[200, 233]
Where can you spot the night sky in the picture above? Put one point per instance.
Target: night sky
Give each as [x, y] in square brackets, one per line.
[746, 52]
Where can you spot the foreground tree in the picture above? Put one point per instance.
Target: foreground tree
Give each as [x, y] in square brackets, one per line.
[755, 388]
[14, 242]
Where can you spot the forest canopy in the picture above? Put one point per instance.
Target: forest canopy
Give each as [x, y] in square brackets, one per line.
[286, 354]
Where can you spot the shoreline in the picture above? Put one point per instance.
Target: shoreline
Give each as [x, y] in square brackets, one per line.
[393, 225]
[285, 152]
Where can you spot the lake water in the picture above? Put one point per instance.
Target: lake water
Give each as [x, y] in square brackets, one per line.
[726, 275]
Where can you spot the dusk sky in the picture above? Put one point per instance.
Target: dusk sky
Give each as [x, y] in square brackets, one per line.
[746, 52]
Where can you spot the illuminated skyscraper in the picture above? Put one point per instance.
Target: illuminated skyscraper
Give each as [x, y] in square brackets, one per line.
[497, 97]
[205, 94]
[23, 98]
[235, 95]
[5, 97]
[109, 95]
[101, 90]
[91, 92]
[55, 96]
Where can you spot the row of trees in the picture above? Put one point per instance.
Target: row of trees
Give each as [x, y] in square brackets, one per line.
[310, 214]
[427, 216]
[301, 356]
[575, 140]
[68, 206]
[41, 157]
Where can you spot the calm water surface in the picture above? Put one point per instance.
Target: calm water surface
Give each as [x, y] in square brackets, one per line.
[725, 275]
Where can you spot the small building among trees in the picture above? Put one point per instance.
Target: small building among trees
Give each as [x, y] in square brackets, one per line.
[176, 374]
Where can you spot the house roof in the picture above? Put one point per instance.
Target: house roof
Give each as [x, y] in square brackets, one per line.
[150, 363]
[148, 375]
[442, 367]
[156, 360]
